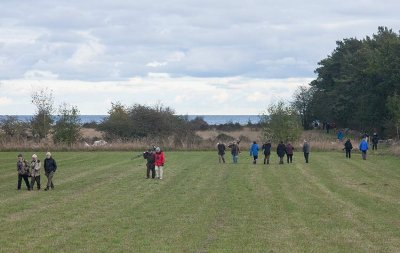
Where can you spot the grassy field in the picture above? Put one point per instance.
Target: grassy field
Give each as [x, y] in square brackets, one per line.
[103, 203]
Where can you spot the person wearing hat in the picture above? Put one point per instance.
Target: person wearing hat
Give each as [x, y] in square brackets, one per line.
[159, 163]
[23, 172]
[35, 172]
[50, 167]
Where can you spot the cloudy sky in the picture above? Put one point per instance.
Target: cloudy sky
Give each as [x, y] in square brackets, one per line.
[199, 57]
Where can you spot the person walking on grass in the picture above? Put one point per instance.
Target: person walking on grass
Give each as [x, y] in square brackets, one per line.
[221, 152]
[289, 152]
[150, 157]
[280, 150]
[363, 148]
[23, 172]
[50, 167]
[375, 140]
[235, 151]
[306, 150]
[348, 147]
[254, 152]
[159, 163]
[266, 147]
[35, 172]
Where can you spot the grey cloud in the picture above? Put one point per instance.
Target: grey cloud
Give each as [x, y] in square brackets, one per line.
[217, 38]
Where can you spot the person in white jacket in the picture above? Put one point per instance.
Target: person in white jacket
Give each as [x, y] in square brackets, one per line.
[35, 172]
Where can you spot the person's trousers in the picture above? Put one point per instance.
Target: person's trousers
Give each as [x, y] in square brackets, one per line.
[289, 158]
[281, 160]
[374, 146]
[25, 177]
[235, 158]
[221, 158]
[364, 155]
[348, 153]
[49, 176]
[159, 171]
[306, 156]
[151, 168]
[37, 180]
[266, 159]
[255, 157]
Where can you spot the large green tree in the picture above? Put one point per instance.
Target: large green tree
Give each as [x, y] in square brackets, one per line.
[354, 82]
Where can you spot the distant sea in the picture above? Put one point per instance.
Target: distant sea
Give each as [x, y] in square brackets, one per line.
[210, 119]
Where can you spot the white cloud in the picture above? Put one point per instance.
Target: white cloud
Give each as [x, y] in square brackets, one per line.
[187, 95]
[39, 75]
[5, 101]
[156, 64]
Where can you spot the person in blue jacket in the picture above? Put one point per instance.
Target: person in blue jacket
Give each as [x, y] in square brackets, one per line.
[254, 152]
[363, 148]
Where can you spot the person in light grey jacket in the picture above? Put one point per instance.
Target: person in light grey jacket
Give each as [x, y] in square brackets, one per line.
[35, 172]
[306, 150]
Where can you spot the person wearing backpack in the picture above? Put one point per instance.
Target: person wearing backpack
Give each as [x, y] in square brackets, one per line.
[281, 150]
[266, 147]
[150, 156]
[348, 147]
[50, 167]
[289, 152]
[254, 152]
[35, 172]
[23, 172]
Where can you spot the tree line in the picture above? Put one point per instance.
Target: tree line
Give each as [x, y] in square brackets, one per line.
[357, 86]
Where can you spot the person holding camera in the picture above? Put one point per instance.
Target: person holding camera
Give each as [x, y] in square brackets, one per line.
[150, 156]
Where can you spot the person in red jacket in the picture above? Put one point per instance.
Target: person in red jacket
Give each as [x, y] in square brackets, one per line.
[159, 163]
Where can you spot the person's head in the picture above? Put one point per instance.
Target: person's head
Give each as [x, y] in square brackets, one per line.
[254, 142]
[234, 143]
[34, 157]
[20, 157]
[48, 155]
[281, 142]
[348, 139]
[158, 150]
[305, 141]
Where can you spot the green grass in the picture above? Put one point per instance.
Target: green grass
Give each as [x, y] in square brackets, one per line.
[103, 203]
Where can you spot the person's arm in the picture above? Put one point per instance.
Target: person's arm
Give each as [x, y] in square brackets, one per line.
[55, 165]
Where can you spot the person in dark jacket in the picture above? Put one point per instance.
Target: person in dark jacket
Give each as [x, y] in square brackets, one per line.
[221, 152]
[375, 140]
[23, 172]
[150, 156]
[306, 150]
[280, 150]
[254, 152]
[235, 151]
[348, 147]
[266, 147]
[289, 152]
[50, 167]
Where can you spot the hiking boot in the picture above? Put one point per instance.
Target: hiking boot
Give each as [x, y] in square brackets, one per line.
[46, 189]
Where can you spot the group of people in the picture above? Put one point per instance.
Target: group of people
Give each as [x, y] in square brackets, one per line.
[281, 151]
[155, 163]
[31, 170]
[363, 147]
